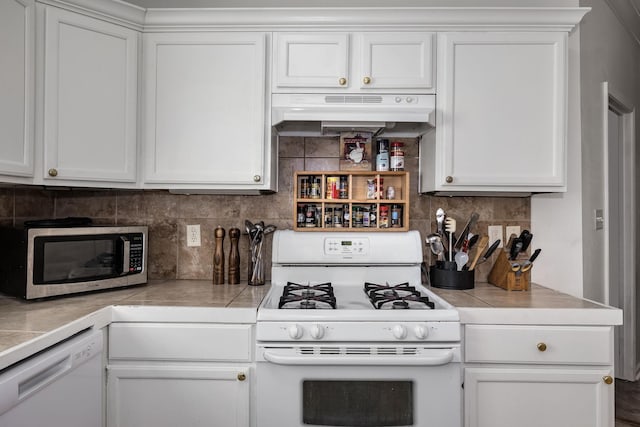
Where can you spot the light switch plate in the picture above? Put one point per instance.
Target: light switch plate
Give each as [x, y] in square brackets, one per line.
[495, 233]
[512, 229]
[193, 235]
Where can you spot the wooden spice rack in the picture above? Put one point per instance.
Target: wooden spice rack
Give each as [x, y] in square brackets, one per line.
[326, 204]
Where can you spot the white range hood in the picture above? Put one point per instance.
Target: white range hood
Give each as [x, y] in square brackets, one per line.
[328, 114]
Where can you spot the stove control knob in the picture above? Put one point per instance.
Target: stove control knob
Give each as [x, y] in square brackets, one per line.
[400, 332]
[421, 332]
[317, 332]
[295, 332]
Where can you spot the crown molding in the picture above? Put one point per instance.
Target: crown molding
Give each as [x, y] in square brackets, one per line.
[409, 18]
[325, 18]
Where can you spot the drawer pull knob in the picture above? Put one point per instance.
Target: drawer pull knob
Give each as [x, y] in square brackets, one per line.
[242, 376]
[53, 172]
[607, 379]
[342, 81]
[449, 179]
[542, 346]
[257, 178]
[366, 80]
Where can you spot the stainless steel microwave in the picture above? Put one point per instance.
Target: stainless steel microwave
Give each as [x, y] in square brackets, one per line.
[49, 261]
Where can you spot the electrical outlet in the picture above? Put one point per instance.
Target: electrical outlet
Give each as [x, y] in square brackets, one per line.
[512, 229]
[495, 233]
[193, 235]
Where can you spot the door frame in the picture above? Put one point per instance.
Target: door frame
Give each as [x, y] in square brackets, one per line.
[626, 366]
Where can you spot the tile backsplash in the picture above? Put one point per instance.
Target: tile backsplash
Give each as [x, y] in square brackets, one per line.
[167, 215]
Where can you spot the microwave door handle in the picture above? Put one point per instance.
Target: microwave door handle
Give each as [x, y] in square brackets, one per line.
[126, 254]
[434, 357]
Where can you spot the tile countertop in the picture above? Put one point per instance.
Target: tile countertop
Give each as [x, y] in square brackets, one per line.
[29, 327]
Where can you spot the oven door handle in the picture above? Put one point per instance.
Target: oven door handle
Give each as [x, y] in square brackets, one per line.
[432, 358]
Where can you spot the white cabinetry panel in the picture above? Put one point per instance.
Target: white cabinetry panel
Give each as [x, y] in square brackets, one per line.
[397, 60]
[533, 397]
[205, 109]
[311, 59]
[90, 99]
[170, 396]
[17, 86]
[501, 123]
[354, 62]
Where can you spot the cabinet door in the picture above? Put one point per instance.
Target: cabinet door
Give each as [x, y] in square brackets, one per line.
[311, 60]
[169, 396]
[90, 99]
[396, 61]
[532, 397]
[502, 111]
[17, 86]
[205, 108]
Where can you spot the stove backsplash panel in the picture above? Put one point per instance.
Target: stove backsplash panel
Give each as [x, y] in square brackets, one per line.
[167, 215]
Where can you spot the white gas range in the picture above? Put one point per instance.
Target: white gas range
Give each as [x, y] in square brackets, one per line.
[351, 337]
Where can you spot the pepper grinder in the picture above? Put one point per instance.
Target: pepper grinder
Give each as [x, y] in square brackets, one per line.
[218, 257]
[234, 257]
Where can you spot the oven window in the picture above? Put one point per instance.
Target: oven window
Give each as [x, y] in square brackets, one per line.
[67, 261]
[357, 403]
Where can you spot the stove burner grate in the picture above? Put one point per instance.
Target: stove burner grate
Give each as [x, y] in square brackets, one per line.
[308, 296]
[401, 296]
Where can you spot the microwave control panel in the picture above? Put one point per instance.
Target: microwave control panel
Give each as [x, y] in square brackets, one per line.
[136, 252]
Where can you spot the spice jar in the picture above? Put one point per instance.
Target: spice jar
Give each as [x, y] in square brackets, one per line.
[384, 216]
[396, 216]
[371, 189]
[344, 188]
[315, 188]
[357, 217]
[396, 162]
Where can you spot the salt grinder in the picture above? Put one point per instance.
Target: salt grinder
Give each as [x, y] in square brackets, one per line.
[234, 257]
[218, 257]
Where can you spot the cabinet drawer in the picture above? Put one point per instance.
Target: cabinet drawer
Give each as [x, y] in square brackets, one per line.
[180, 341]
[588, 345]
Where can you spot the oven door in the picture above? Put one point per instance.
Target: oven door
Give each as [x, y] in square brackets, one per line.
[358, 385]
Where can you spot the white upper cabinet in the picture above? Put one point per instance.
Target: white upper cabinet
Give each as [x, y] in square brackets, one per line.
[17, 85]
[501, 113]
[204, 110]
[90, 100]
[354, 62]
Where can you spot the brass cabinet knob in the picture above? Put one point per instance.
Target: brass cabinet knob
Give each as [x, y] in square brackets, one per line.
[342, 81]
[257, 178]
[449, 179]
[366, 80]
[607, 379]
[242, 376]
[541, 346]
[53, 172]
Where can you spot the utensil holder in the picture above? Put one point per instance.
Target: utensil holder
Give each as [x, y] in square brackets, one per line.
[446, 276]
[256, 264]
[502, 276]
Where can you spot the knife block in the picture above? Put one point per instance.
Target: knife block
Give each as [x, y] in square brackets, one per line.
[502, 276]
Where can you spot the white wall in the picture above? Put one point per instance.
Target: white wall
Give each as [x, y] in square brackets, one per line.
[608, 53]
[556, 219]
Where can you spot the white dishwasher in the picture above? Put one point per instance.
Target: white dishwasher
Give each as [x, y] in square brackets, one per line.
[60, 387]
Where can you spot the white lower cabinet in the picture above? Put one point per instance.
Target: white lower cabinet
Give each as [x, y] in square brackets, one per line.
[179, 374]
[530, 376]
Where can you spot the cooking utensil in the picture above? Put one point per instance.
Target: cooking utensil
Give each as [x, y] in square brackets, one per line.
[461, 259]
[526, 266]
[487, 254]
[473, 240]
[440, 216]
[526, 238]
[482, 244]
[465, 231]
[435, 243]
[450, 227]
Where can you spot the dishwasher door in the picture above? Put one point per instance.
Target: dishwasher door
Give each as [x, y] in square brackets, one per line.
[61, 386]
